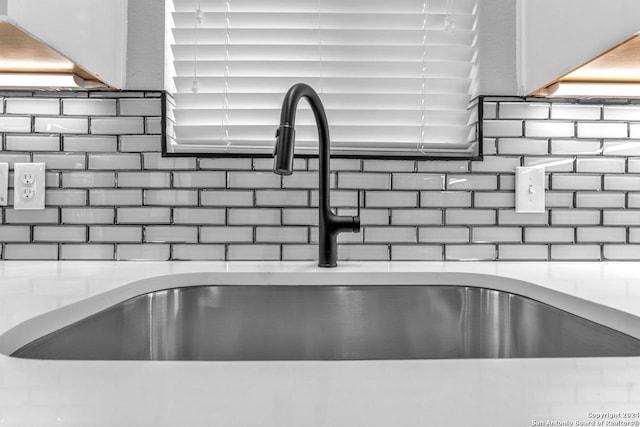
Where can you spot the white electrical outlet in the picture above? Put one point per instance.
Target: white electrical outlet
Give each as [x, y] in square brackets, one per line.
[29, 180]
[530, 189]
[4, 184]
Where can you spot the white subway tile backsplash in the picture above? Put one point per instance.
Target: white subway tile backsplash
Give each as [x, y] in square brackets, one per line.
[600, 165]
[89, 143]
[140, 143]
[490, 110]
[576, 146]
[198, 252]
[417, 181]
[224, 164]
[442, 234]
[143, 252]
[115, 197]
[600, 199]
[282, 198]
[494, 199]
[523, 110]
[254, 216]
[601, 234]
[286, 234]
[621, 252]
[171, 233]
[621, 112]
[86, 252]
[144, 215]
[509, 252]
[368, 181]
[199, 179]
[199, 216]
[61, 125]
[496, 164]
[551, 164]
[621, 217]
[45, 216]
[496, 234]
[115, 234]
[388, 165]
[549, 235]
[171, 197]
[575, 252]
[416, 253]
[88, 179]
[503, 128]
[470, 217]
[115, 125]
[87, 215]
[575, 217]
[225, 198]
[256, 252]
[456, 166]
[621, 148]
[510, 217]
[476, 252]
[622, 182]
[32, 106]
[549, 129]
[211, 234]
[140, 107]
[59, 233]
[391, 199]
[15, 124]
[575, 111]
[602, 130]
[561, 181]
[523, 146]
[363, 252]
[31, 251]
[390, 234]
[153, 125]
[88, 107]
[460, 199]
[144, 179]
[466, 207]
[472, 182]
[32, 142]
[114, 161]
[15, 233]
[156, 161]
[253, 180]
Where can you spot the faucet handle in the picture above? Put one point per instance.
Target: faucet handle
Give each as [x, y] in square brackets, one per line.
[356, 219]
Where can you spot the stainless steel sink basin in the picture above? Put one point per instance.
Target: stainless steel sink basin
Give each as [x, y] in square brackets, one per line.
[246, 322]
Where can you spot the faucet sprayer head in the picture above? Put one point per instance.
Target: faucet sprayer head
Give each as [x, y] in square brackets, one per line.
[283, 152]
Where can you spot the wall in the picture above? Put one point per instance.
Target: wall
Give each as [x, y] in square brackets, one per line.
[110, 194]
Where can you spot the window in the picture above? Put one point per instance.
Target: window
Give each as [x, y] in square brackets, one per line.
[396, 77]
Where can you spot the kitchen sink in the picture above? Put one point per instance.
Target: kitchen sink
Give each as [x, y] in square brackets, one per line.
[329, 322]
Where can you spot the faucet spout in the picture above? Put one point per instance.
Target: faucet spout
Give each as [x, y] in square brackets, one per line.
[330, 225]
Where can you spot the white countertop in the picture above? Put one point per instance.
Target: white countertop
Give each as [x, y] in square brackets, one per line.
[479, 392]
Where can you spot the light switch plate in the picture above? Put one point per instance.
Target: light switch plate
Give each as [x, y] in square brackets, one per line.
[28, 186]
[530, 189]
[4, 184]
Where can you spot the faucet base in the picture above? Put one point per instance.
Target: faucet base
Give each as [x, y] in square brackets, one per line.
[335, 264]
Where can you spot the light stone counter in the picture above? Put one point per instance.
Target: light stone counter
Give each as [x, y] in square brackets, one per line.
[480, 392]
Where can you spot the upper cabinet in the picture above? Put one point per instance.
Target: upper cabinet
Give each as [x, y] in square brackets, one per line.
[555, 37]
[91, 34]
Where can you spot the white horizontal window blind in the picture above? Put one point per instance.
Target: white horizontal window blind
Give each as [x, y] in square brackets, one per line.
[395, 77]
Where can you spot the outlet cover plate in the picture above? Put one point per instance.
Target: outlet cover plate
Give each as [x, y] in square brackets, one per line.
[530, 189]
[29, 185]
[4, 184]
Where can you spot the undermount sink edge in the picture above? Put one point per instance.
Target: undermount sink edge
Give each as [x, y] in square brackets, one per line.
[47, 323]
